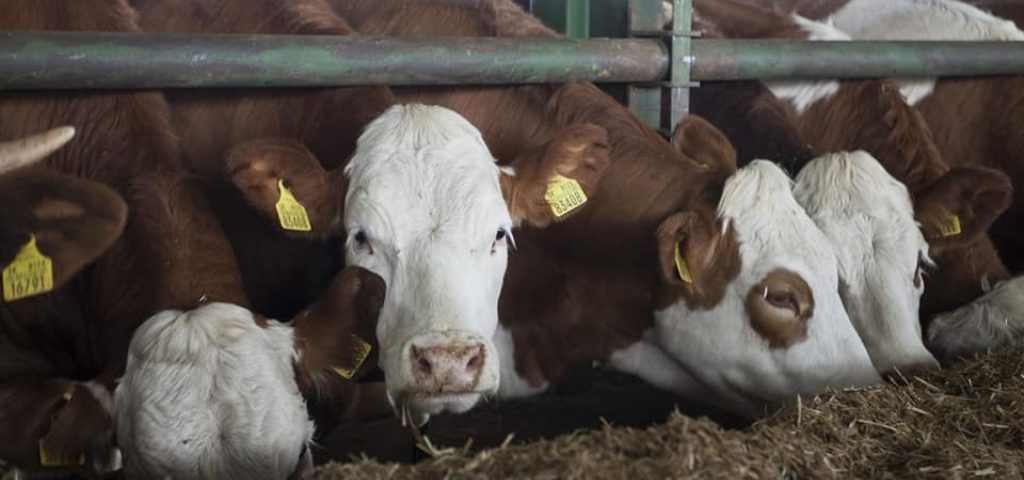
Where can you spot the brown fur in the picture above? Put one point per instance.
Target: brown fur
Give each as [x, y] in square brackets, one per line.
[168, 255]
[712, 257]
[325, 338]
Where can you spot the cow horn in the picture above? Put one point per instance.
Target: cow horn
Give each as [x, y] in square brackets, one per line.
[25, 151]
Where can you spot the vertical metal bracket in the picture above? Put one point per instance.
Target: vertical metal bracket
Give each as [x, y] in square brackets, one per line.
[577, 18]
[647, 19]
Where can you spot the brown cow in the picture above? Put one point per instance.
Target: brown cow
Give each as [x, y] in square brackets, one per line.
[65, 348]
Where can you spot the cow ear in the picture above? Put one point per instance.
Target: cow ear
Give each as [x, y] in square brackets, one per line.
[283, 180]
[554, 182]
[697, 256]
[961, 205]
[696, 138]
[72, 221]
[338, 332]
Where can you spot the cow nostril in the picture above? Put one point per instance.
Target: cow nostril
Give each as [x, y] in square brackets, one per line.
[423, 365]
[474, 362]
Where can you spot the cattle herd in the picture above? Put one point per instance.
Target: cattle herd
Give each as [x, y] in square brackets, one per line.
[196, 283]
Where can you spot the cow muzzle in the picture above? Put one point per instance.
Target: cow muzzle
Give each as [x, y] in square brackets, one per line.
[448, 372]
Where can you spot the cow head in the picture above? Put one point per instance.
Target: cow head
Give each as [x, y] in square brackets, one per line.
[424, 205]
[752, 307]
[869, 219]
[202, 387]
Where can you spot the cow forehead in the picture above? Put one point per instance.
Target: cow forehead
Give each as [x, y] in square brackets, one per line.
[773, 230]
[421, 167]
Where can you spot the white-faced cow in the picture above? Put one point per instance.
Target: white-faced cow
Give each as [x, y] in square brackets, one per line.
[975, 123]
[218, 392]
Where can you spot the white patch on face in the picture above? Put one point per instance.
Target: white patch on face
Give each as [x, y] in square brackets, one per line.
[993, 321]
[210, 394]
[720, 347]
[801, 93]
[425, 211]
[869, 219]
[921, 20]
[512, 385]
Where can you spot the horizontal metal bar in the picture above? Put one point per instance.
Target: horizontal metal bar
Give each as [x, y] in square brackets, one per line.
[75, 60]
[71, 60]
[778, 59]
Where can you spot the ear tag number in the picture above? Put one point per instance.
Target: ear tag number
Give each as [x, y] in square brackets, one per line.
[30, 273]
[48, 460]
[951, 228]
[290, 212]
[682, 267]
[360, 350]
[564, 195]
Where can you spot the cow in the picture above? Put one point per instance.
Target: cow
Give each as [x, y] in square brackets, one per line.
[593, 272]
[217, 392]
[65, 347]
[872, 115]
[974, 121]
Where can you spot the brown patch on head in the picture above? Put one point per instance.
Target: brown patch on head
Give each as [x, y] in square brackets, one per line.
[578, 152]
[256, 167]
[712, 259]
[779, 307]
[696, 138]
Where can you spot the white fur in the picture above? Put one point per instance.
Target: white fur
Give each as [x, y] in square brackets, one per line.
[719, 346]
[869, 218]
[993, 321]
[209, 394]
[512, 385]
[921, 20]
[425, 190]
[805, 93]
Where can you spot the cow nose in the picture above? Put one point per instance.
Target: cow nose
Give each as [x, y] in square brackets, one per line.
[448, 367]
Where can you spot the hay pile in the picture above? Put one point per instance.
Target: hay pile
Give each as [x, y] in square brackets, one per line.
[965, 422]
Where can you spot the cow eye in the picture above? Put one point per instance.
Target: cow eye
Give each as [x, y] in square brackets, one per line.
[362, 241]
[500, 235]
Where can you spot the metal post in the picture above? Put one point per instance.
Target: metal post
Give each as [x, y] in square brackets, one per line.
[679, 82]
[577, 18]
[645, 20]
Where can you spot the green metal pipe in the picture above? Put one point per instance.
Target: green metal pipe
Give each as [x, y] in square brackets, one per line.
[577, 18]
[72, 60]
[779, 59]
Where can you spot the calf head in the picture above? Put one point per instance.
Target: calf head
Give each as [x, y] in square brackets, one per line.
[426, 207]
[69, 220]
[202, 388]
[751, 306]
[869, 219]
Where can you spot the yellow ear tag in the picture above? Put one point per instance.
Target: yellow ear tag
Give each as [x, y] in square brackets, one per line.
[30, 273]
[682, 267]
[290, 212]
[564, 195]
[360, 350]
[951, 228]
[47, 460]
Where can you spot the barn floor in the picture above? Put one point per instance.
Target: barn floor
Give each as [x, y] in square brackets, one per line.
[964, 422]
[589, 399]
